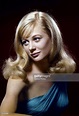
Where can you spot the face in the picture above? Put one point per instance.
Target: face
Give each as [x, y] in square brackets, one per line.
[38, 44]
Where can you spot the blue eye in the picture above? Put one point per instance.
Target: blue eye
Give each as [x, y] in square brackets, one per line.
[36, 39]
[25, 42]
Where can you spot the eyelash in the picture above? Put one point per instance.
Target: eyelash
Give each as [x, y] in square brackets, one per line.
[24, 42]
[36, 39]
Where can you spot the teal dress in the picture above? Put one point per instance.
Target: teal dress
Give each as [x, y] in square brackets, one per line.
[53, 103]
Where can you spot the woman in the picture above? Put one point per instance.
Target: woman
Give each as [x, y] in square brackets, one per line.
[39, 48]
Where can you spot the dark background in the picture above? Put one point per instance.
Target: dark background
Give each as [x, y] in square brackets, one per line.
[66, 13]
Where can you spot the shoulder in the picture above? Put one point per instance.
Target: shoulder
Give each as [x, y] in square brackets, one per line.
[15, 86]
[23, 94]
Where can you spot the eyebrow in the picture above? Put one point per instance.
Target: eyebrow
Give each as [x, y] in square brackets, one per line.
[26, 39]
[36, 35]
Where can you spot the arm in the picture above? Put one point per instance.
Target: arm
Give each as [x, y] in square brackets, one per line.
[15, 114]
[9, 103]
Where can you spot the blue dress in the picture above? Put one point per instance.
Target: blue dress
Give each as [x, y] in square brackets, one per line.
[50, 104]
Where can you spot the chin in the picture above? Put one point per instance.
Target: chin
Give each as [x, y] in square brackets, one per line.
[38, 59]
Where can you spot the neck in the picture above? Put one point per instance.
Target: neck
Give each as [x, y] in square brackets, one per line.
[41, 66]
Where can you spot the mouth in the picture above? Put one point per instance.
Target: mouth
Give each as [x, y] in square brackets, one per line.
[34, 55]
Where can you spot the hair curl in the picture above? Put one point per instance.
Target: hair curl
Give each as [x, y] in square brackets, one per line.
[60, 61]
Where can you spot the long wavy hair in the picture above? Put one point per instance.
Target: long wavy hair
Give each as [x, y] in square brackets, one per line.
[60, 60]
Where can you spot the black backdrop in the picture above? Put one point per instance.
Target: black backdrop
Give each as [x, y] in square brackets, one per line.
[66, 13]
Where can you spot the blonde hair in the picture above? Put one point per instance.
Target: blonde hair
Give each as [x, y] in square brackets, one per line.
[60, 61]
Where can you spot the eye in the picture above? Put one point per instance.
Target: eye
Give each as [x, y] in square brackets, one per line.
[36, 39]
[25, 42]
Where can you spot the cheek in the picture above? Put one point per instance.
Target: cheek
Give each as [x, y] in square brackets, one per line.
[47, 48]
[26, 50]
[45, 45]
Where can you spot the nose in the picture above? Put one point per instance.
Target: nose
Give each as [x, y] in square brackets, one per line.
[31, 47]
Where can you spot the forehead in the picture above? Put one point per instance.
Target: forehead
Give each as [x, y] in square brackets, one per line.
[38, 29]
[32, 30]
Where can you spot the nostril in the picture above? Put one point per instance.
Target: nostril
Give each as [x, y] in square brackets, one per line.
[32, 49]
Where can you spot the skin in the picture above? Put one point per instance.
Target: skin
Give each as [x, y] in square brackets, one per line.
[40, 43]
[9, 103]
[14, 114]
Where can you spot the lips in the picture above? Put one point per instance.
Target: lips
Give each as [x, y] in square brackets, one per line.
[35, 54]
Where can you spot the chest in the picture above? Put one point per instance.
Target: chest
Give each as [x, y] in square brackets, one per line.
[54, 101]
[36, 89]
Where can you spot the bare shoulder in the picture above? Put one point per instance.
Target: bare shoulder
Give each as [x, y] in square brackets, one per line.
[15, 85]
[23, 94]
